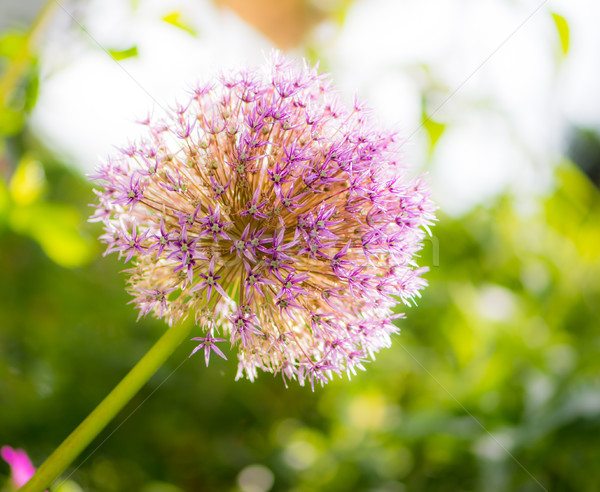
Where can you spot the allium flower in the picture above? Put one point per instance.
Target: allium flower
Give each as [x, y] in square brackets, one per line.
[21, 468]
[274, 215]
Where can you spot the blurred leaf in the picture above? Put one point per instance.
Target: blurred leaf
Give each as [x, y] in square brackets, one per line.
[434, 130]
[563, 31]
[68, 486]
[27, 182]
[341, 10]
[174, 18]
[123, 54]
[574, 210]
[54, 227]
[31, 92]
[11, 43]
[11, 121]
[4, 203]
[160, 487]
[584, 151]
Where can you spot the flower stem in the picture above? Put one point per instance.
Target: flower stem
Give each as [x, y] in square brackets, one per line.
[79, 439]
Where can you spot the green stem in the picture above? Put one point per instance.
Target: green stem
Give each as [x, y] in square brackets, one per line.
[79, 439]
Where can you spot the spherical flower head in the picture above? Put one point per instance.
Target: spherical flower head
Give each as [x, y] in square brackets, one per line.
[275, 216]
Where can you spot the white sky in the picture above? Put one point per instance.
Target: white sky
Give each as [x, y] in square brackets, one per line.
[505, 124]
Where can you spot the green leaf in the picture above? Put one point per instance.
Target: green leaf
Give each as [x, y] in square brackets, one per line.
[68, 486]
[434, 130]
[54, 227]
[4, 203]
[12, 43]
[341, 10]
[123, 54]
[27, 182]
[11, 121]
[563, 32]
[174, 18]
[31, 90]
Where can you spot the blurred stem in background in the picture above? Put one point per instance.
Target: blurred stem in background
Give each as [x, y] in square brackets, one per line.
[19, 63]
[81, 437]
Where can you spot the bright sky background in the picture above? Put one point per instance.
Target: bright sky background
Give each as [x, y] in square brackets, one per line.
[506, 121]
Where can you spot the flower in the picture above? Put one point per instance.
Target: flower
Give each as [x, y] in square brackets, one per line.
[21, 467]
[274, 215]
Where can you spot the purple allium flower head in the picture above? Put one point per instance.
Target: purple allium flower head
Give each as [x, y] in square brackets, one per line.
[275, 216]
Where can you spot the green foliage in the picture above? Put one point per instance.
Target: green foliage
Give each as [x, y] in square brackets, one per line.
[434, 130]
[176, 19]
[562, 28]
[500, 357]
[18, 84]
[54, 225]
[11, 44]
[119, 55]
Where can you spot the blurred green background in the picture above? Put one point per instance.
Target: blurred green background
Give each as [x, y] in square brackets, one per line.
[493, 384]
